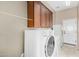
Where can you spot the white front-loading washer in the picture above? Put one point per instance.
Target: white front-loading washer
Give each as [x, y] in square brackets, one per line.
[40, 43]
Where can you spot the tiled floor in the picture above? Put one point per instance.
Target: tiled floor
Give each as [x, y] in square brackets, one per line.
[69, 51]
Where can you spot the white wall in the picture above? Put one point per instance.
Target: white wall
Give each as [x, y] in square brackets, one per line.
[78, 24]
[66, 14]
[12, 28]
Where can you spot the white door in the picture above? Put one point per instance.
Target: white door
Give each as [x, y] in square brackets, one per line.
[70, 31]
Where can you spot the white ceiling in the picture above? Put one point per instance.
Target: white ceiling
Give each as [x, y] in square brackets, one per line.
[61, 5]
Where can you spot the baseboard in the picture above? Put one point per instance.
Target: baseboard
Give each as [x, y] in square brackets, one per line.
[70, 44]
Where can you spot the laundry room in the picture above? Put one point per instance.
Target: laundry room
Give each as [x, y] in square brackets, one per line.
[39, 28]
[64, 26]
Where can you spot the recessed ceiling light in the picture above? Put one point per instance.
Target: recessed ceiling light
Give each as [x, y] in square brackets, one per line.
[67, 3]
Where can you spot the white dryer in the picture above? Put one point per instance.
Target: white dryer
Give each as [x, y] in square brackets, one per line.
[40, 43]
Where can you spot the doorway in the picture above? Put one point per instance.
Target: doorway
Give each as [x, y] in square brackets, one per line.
[70, 31]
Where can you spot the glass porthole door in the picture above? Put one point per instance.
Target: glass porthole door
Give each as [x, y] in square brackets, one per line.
[49, 47]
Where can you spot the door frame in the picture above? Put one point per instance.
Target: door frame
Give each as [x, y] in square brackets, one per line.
[76, 46]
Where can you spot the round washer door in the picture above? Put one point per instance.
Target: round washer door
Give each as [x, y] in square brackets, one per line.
[49, 47]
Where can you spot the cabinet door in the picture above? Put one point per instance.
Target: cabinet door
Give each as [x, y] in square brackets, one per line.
[51, 19]
[48, 18]
[37, 14]
[43, 16]
[30, 12]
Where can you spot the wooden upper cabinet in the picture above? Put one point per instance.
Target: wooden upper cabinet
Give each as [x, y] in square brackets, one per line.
[51, 19]
[39, 16]
[37, 12]
[47, 18]
[43, 16]
[30, 13]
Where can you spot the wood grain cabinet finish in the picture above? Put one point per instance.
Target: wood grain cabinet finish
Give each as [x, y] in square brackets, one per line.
[30, 13]
[37, 12]
[51, 21]
[39, 16]
[47, 18]
[43, 16]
